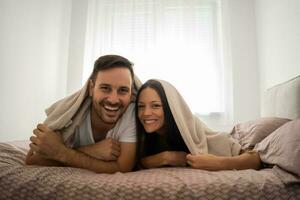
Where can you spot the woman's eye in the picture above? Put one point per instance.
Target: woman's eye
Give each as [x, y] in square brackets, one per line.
[156, 106]
[141, 106]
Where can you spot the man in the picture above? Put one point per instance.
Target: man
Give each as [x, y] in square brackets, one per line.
[109, 117]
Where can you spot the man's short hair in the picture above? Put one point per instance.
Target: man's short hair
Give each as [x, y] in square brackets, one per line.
[111, 61]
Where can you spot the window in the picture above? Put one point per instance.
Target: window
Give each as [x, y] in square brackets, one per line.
[177, 41]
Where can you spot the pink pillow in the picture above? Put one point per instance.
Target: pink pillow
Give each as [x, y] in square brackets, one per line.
[282, 148]
[252, 132]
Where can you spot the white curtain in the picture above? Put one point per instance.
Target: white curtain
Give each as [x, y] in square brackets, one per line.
[175, 40]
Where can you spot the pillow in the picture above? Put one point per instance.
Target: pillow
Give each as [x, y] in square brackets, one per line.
[252, 132]
[281, 148]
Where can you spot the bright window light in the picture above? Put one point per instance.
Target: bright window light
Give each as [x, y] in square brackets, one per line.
[172, 40]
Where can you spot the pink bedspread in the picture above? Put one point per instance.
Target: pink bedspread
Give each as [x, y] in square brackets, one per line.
[18, 181]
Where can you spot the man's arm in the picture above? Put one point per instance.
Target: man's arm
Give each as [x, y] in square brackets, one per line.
[124, 163]
[48, 145]
[37, 159]
[106, 150]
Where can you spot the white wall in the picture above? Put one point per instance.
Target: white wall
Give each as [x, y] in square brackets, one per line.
[77, 45]
[265, 49]
[278, 31]
[242, 38]
[34, 42]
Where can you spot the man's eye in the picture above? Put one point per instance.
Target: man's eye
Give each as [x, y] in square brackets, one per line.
[105, 89]
[124, 90]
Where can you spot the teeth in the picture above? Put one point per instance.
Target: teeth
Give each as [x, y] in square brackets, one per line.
[111, 108]
[149, 121]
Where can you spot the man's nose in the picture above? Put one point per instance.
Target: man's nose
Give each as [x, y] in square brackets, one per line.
[113, 97]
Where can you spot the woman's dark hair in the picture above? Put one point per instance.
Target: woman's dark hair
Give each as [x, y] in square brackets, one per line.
[111, 61]
[146, 142]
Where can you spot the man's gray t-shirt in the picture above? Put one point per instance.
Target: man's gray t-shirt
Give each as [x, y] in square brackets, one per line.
[123, 131]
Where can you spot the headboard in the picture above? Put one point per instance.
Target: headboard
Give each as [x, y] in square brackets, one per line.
[282, 100]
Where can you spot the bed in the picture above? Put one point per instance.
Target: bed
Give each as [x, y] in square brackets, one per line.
[18, 181]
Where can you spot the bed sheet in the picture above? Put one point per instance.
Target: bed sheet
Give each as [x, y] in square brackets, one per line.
[18, 181]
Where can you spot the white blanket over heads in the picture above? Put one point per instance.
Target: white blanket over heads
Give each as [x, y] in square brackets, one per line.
[196, 135]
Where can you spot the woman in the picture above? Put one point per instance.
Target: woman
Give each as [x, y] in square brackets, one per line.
[168, 134]
[163, 146]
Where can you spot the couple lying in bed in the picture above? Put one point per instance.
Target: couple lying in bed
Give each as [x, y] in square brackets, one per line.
[97, 128]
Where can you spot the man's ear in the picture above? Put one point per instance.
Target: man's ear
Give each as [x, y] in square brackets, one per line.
[91, 87]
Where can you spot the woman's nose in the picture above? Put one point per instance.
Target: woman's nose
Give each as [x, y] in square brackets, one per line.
[147, 110]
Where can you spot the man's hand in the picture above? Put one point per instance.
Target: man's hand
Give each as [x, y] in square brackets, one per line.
[107, 150]
[47, 143]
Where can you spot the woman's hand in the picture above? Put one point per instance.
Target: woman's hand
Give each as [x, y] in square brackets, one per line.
[171, 158]
[205, 162]
[247, 160]
[175, 158]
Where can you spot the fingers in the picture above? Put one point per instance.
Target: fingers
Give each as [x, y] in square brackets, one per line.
[33, 139]
[192, 163]
[116, 153]
[112, 157]
[35, 150]
[191, 160]
[115, 145]
[189, 157]
[43, 127]
[192, 157]
[34, 147]
[42, 130]
[116, 150]
[37, 132]
[109, 149]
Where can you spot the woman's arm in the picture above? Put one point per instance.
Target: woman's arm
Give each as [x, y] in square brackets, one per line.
[247, 160]
[172, 158]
